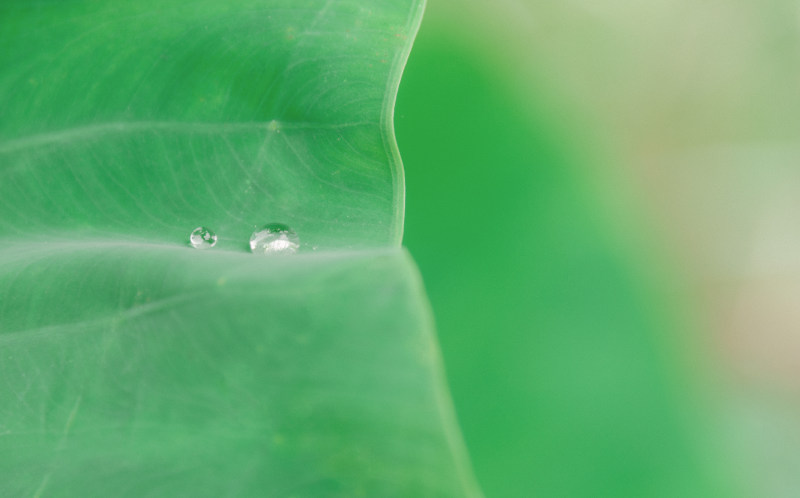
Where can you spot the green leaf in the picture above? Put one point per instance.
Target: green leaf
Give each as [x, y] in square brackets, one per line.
[134, 365]
[166, 371]
[148, 118]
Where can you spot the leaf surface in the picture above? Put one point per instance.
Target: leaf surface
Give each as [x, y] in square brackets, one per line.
[134, 365]
[162, 373]
[148, 118]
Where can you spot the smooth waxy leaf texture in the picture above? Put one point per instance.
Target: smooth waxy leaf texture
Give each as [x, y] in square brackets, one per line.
[148, 118]
[134, 365]
[162, 373]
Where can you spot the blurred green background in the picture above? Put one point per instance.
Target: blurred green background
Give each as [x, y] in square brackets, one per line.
[588, 186]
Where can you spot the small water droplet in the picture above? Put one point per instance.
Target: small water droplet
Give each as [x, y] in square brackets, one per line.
[202, 238]
[274, 238]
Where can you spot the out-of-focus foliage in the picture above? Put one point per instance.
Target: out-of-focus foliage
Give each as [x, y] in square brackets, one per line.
[601, 197]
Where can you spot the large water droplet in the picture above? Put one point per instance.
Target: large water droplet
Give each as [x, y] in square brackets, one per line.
[202, 238]
[275, 238]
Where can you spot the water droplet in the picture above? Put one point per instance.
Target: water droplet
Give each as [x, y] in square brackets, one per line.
[275, 238]
[202, 238]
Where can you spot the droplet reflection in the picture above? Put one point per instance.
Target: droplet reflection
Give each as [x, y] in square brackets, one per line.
[202, 238]
[274, 238]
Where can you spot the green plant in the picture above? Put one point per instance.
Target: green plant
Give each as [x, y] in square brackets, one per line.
[134, 365]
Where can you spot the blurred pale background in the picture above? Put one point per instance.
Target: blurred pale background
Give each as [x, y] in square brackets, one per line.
[603, 198]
